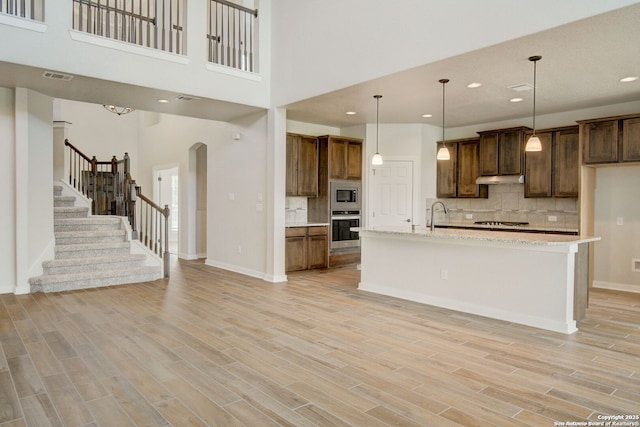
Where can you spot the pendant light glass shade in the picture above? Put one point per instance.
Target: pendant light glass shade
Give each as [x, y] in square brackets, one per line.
[443, 152]
[376, 160]
[533, 143]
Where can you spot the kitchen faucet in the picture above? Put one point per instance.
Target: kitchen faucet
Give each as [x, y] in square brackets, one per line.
[433, 225]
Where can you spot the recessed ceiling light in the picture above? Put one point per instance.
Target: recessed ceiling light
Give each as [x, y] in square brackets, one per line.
[516, 100]
[351, 113]
[426, 116]
[163, 101]
[629, 79]
[474, 85]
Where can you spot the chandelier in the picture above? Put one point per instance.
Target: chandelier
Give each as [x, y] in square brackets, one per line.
[118, 110]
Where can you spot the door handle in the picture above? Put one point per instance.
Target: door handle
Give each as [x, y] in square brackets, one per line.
[408, 220]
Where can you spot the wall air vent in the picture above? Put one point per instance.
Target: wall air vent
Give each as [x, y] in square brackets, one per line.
[187, 98]
[522, 87]
[56, 76]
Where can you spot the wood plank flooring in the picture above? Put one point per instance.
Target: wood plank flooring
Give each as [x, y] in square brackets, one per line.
[209, 347]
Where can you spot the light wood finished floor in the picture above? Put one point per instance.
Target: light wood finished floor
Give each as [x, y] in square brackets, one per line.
[210, 347]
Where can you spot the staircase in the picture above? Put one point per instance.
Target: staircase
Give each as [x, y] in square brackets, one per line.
[90, 251]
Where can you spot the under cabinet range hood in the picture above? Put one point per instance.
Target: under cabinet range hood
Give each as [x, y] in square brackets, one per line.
[501, 179]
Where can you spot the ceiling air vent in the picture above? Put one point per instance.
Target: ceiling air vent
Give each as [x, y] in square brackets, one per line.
[522, 87]
[187, 98]
[56, 76]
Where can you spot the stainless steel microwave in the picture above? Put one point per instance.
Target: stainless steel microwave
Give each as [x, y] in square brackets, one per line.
[345, 195]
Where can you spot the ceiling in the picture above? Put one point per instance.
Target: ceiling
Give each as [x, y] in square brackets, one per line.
[581, 65]
[97, 91]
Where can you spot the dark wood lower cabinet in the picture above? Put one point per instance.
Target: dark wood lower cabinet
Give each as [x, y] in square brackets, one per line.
[306, 248]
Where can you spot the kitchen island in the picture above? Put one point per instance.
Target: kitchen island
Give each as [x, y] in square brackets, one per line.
[539, 280]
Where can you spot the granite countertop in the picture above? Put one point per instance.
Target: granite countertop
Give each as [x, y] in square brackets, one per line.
[306, 224]
[483, 235]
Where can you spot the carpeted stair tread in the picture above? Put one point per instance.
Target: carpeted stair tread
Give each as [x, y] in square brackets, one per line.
[89, 236]
[109, 262]
[92, 279]
[84, 250]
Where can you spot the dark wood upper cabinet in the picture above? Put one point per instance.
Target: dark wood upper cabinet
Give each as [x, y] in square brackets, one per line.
[553, 172]
[488, 153]
[538, 171]
[510, 152]
[302, 165]
[468, 164]
[456, 177]
[566, 162]
[610, 139]
[631, 140]
[501, 151]
[600, 142]
[446, 180]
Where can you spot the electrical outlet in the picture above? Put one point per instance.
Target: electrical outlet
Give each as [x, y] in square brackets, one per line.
[469, 216]
[232, 196]
[239, 249]
[552, 218]
[444, 274]
[620, 221]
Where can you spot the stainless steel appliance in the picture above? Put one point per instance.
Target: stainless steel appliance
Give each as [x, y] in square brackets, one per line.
[346, 203]
[502, 223]
[342, 235]
[345, 195]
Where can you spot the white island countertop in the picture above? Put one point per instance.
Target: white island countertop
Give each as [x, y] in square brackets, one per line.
[514, 237]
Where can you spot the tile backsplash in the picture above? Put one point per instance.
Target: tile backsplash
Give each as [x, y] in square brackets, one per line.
[506, 202]
[295, 210]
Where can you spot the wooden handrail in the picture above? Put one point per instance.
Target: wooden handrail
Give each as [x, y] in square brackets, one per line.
[74, 148]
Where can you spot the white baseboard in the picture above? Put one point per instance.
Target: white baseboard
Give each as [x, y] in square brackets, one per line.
[616, 286]
[235, 268]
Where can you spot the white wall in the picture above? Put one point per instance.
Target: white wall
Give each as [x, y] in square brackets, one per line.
[8, 205]
[237, 199]
[340, 43]
[34, 184]
[617, 195]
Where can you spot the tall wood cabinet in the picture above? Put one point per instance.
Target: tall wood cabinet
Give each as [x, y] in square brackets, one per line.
[501, 151]
[611, 139]
[456, 177]
[302, 165]
[339, 157]
[553, 172]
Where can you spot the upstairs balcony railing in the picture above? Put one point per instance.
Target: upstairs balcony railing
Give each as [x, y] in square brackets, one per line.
[158, 24]
[29, 9]
[232, 35]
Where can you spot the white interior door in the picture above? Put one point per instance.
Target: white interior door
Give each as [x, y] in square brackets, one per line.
[392, 201]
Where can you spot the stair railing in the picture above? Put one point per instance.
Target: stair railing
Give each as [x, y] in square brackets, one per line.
[149, 222]
[157, 24]
[113, 192]
[32, 9]
[232, 35]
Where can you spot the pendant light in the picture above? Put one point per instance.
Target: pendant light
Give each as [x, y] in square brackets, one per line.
[377, 158]
[443, 152]
[533, 143]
